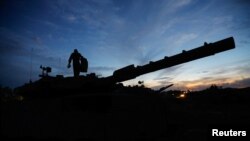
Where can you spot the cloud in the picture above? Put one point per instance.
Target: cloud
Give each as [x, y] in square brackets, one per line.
[222, 20]
[38, 40]
[184, 38]
[181, 3]
[71, 18]
[239, 83]
[11, 44]
[94, 14]
[172, 71]
[163, 78]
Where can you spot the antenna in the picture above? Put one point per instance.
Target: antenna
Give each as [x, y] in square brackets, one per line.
[31, 64]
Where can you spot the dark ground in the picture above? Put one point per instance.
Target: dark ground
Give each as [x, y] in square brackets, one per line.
[126, 116]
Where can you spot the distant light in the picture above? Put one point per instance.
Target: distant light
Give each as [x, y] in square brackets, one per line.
[182, 96]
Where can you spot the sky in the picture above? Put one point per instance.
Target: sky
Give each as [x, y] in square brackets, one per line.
[113, 34]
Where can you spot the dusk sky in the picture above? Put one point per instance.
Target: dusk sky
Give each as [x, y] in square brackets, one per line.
[112, 34]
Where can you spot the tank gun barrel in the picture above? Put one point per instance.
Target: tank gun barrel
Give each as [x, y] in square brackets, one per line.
[131, 72]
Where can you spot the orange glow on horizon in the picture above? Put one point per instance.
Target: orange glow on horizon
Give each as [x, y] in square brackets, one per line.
[193, 85]
[197, 84]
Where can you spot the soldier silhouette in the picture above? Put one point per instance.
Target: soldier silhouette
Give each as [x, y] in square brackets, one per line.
[79, 63]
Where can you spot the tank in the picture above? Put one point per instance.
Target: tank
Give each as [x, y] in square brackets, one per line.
[102, 109]
[58, 85]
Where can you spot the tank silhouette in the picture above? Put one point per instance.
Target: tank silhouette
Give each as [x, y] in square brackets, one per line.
[58, 85]
[93, 108]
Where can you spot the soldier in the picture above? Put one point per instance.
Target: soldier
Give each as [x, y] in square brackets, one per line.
[77, 62]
